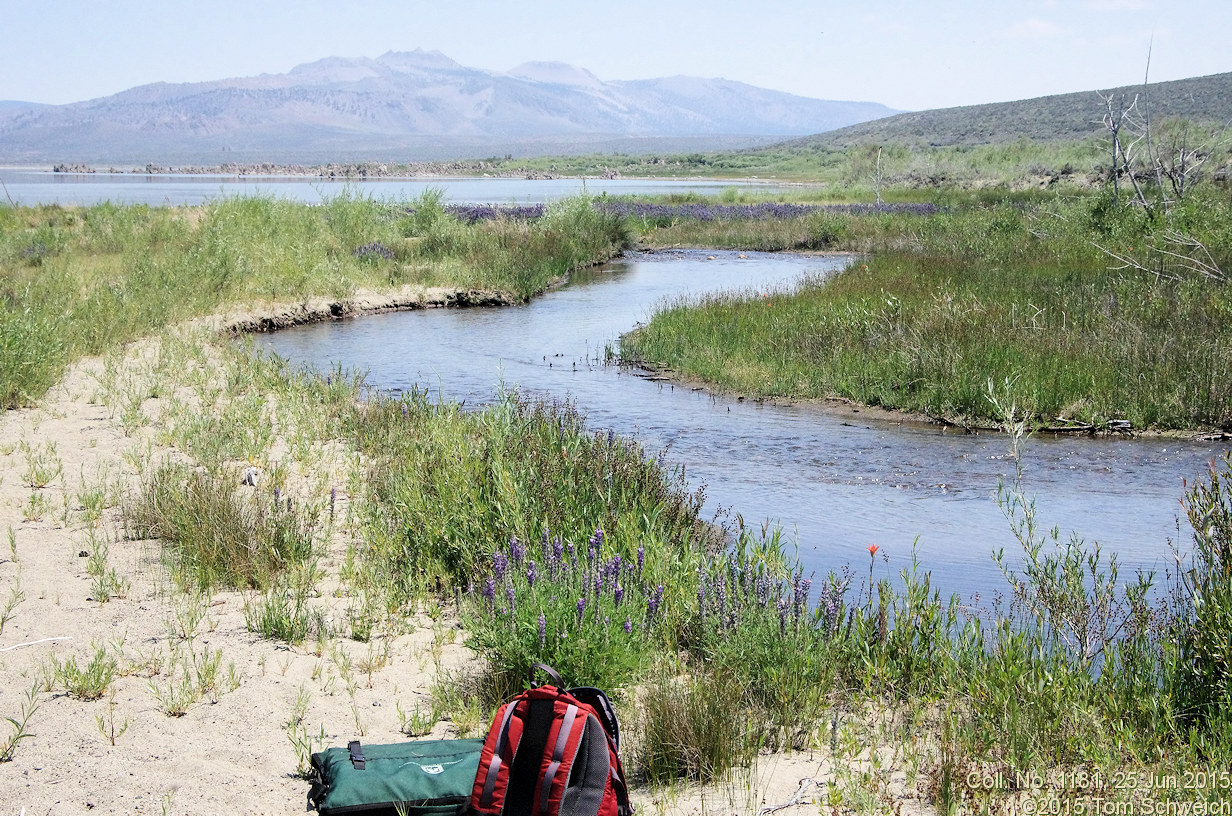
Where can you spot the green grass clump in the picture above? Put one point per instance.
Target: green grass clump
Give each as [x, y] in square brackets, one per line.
[693, 728]
[216, 532]
[89, 682]
[282, 613]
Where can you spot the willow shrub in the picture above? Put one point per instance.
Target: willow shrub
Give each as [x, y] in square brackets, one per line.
[1204, 620]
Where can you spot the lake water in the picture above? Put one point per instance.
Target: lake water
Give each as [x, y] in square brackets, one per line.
[835, 482]
[30, 187]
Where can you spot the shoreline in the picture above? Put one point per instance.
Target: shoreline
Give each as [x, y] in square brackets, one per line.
[277, 317]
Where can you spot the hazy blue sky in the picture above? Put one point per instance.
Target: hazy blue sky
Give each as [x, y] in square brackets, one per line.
[906, 54]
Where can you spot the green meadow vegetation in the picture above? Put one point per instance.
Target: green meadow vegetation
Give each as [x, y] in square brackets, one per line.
[80, 281]
[550, 542]
[1092, 310]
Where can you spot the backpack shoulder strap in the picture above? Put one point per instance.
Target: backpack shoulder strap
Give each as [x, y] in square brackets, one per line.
[596, 699]
[598, 703]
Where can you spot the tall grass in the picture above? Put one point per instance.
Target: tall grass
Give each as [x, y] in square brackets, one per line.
[218, 534]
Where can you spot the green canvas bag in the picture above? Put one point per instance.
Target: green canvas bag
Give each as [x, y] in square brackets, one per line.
[422, 778]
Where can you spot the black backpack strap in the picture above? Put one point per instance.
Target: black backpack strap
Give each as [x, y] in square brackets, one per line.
[316, 794]
[524, 772]
[357, 754]
[552, 674]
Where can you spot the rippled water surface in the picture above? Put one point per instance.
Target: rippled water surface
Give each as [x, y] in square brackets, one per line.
[836, 482]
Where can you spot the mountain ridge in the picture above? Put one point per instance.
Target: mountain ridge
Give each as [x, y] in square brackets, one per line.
[1075, 115]
[375, 107]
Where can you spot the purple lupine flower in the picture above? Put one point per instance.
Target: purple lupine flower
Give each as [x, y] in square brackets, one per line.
[594, 545]
[489, 593]
[581, 609]
[701, 595]
[783, 607]
[543, 631]
[720, 596]
[611, 437]
[802, 593]
[510, 595]
[618, 593]
[516, 551]
[831, 598]
[653, 603]
[641, 560]
[628, 625]
[598, 584]
[531, 574]
[405, 410]
[499, 564]
[763, 590]
[277, 497]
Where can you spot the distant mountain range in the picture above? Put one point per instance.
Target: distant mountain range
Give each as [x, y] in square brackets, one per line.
[417, 105]
[1206, 100]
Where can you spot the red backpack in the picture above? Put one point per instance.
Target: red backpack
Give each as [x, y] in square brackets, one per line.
[552, 752]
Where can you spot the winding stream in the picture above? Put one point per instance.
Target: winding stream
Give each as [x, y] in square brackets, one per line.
[836, 482]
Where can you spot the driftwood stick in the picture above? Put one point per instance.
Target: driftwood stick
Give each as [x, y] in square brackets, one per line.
[795, 800]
